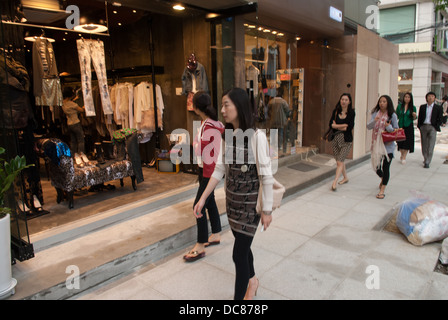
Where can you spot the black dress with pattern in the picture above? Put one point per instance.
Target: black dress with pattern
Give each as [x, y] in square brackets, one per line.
[242, 184]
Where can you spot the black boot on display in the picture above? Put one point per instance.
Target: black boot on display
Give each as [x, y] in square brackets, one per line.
[99, 153]
[121, 150]
[108, 148]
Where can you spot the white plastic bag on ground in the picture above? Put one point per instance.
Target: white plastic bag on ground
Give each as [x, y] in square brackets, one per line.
[443, 258]
[423, 221]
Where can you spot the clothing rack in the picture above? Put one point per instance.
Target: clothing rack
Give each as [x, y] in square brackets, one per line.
[53, 28]
[120, 73]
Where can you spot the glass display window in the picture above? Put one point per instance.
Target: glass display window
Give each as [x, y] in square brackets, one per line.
[275, 86]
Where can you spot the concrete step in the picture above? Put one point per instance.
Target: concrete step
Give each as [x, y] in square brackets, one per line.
[73, 259]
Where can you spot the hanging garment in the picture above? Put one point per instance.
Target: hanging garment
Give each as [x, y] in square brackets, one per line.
[199, 76]
[92, 51]
[51, 93]
[44, 64]
[144, 107]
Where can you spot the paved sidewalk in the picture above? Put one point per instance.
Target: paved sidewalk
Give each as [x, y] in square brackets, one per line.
[321, 245]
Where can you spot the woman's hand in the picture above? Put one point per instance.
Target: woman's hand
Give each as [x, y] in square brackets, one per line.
[197, 210]
[266, 220]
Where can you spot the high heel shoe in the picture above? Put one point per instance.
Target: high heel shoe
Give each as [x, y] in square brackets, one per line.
[85, 159]
[23, 207]
[247, 296]
[36, 204]
[78, 161]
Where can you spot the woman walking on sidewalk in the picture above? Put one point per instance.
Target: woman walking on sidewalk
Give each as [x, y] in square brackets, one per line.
[383, 118]
[209, 133]
[342, 122]
[242, 185]
[407, 113]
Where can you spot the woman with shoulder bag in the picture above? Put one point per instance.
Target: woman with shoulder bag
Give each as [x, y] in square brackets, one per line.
[342, 123]
[383, 118]
[242, 186]
[209, 136]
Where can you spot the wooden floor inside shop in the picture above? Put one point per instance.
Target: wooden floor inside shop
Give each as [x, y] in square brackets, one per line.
[90, 203]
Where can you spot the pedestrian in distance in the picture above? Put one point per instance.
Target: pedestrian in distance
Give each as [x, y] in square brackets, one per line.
[383, 118]
[430, 118]
[242, 184]
[407, 113]
[207, 145]
[342, 122]
[444, 110]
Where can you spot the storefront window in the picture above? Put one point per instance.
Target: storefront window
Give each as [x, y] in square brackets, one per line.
[275, 86]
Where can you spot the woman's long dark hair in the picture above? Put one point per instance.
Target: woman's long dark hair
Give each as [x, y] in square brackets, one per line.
[390, 106]
[203, 102]
[339, 107]
[240, 99]
[411, 103]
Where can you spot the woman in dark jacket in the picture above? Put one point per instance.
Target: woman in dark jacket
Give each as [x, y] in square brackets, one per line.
[342, 122]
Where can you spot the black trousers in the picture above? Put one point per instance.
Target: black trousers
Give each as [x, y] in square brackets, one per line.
[244, 263]
[212, 208]
[384, 171]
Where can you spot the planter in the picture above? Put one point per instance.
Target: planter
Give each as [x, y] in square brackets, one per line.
[7, 282]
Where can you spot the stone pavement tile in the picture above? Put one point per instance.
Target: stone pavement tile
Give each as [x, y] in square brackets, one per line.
[396, 249]
[296, 281]
[400, 279]
[128, 288]
[351, 289]
[363, 217]
[321, 211]
[278, 240]
[438, 288]
[347, 238]
[195, 281]
[326, 258]
[304, 224]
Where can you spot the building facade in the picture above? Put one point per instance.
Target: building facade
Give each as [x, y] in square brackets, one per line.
[420, 34]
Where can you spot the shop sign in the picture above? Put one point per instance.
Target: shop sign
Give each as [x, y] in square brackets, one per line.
[335, 14]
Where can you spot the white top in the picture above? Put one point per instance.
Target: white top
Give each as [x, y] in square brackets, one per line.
[263, 168]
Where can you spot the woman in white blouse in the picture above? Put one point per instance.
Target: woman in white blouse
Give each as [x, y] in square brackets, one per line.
[238, 163]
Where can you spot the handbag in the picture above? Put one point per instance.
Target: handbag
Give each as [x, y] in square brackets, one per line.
[277, 188]
[396, 135]
[329, 135]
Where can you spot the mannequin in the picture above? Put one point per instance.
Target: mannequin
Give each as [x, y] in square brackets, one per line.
[192, 63]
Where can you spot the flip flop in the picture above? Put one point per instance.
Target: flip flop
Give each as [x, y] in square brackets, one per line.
[197, 256]
[380, 196]
[342, 182]
[212, 243]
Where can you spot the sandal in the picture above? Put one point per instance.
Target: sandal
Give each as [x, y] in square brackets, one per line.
[343, 182]
[212, 243]
[380, 196]
[196, 256]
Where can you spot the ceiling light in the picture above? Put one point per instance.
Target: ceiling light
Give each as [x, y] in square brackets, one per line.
[280, 34]
[91, 28]
[178, 7]
[134, 11]
[251, 26]
[32, 39]
[266, 30]
[298, 38]
[116, 4]
[274, 32]
[115, 12]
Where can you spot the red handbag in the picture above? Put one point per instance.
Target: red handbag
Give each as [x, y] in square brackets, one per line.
[396, 135]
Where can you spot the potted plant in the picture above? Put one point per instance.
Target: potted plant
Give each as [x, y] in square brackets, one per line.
[8, 172]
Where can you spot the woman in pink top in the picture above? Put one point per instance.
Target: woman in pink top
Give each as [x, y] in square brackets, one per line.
[207, 145]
